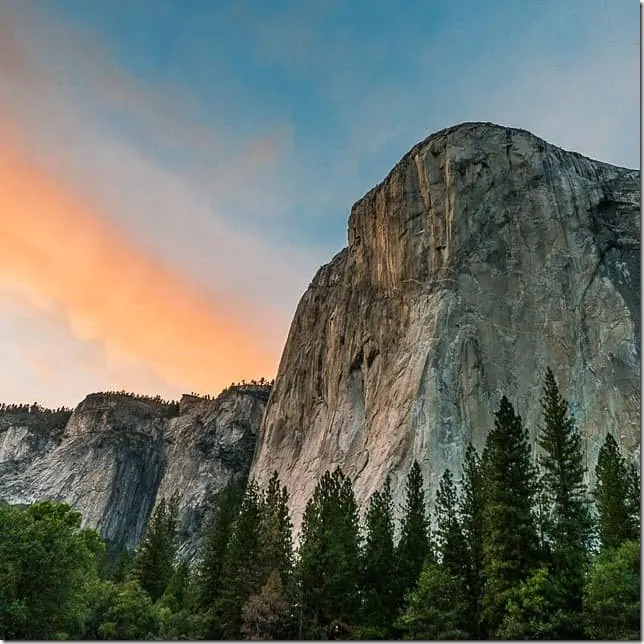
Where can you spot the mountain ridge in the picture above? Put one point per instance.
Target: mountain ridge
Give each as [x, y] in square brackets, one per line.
[119, 454]
[395, 350]
[484, 256]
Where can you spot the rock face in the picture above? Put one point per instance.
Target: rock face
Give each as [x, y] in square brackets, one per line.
[118, 456]
[485, 256]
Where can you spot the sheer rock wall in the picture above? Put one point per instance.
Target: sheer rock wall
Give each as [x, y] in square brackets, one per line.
[485, 256]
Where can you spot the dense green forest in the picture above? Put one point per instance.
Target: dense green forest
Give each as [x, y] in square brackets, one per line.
[517, 548]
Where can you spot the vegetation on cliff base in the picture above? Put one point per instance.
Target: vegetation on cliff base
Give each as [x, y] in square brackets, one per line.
[519, 551]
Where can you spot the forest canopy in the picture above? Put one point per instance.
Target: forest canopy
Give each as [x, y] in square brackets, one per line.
[517, 547]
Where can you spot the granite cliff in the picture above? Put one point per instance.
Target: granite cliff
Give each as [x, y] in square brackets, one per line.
[486, 255]
[117, 456]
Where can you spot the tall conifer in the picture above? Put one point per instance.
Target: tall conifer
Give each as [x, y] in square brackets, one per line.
[241, 575]
[154, 560]
[414, 544]
[471, 510]
[510, 542]
[615, 496]
[450, 542]
[633, 498]
[328, 566]
[208, 574]
[275, 532]
[378, 565]
[568, 525]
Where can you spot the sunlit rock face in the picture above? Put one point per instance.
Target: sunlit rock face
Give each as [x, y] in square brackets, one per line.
[118, 456]
[485, 256]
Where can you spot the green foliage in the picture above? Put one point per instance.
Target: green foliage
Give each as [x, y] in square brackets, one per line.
[275, 532]
[616, 494]
[437, 607]
[613, 593]
[450, 542]
[567, 527]
[153, 563]
[510, 542]
[471, 512]
[414, 544]
[535, 610]
[130, 615]
[100, 595]
[329, 560]
[169, 408]
[241, 574]
[178, 591]
[379, 604]
[633, 498]
[37, 418]
[47, 564]
[563, 470]
[493, 574]
[174, 611]
[218, 531]
[123, 566]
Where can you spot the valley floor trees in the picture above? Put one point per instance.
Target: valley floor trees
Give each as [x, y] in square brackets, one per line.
[518, 551]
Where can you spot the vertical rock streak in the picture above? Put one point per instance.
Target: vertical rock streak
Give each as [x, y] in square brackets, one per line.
[486, 255]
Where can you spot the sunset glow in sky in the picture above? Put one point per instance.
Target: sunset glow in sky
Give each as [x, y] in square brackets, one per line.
[173, 172]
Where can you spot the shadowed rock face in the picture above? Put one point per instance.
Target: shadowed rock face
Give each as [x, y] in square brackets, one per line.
[118, 456]
[485, 256]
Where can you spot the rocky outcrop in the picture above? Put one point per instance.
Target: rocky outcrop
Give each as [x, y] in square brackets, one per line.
[119, 455]
[209, 444]
[485, 256]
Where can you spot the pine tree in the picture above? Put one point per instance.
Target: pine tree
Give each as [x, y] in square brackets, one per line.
[175, 609]
[471, 510]
[275, 534]
[510, 542]
[436, 607]
[241, 575]
[329, 552]
[121, 568]
[208, 573]
[414, 544]
[450, 542]
[378, 566]
[568, 525]
[154, 560]
[453, 562]
[534, 611]
[612, 596]
[615, 496]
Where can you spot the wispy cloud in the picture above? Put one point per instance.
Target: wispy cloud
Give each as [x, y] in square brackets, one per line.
[44, 361]
[142, 258]
[55, 249]
[200, 207]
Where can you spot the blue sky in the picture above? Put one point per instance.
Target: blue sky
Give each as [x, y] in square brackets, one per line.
[228, 140]
[357, 83]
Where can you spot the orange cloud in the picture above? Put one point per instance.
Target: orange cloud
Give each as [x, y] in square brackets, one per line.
[57, 250]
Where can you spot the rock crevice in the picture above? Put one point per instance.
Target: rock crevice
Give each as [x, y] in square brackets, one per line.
[485, 256]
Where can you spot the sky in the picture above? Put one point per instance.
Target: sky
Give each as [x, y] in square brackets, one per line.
[173, 172]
